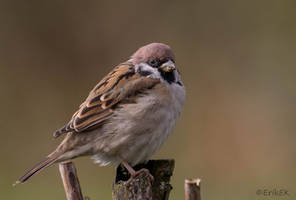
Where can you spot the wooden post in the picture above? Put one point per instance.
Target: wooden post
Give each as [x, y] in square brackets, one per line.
[70, 181]
[192, 189]
[141, 187]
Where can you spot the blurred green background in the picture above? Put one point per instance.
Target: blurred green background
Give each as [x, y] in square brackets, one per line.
[237, 59]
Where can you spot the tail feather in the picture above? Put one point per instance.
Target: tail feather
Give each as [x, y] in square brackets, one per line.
[49, 160]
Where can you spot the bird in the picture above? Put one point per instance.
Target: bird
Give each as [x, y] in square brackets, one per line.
[127, 116]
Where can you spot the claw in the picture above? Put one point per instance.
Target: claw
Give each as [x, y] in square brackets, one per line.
[136, 173]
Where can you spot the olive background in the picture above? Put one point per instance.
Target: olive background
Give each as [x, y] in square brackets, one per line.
[237, 60]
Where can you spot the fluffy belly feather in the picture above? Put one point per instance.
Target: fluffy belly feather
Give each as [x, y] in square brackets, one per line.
[137, 131]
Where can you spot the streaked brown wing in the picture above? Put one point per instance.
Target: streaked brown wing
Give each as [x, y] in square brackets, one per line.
[120, 84]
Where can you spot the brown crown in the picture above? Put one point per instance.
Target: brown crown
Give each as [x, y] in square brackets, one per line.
[153, 51]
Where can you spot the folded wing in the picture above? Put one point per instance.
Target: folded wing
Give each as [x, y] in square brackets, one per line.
[120, 86]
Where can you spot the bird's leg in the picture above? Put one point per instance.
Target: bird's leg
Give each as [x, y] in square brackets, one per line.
[129, 168]
[134, 173]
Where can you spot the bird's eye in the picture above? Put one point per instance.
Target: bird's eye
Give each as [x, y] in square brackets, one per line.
[153, 62]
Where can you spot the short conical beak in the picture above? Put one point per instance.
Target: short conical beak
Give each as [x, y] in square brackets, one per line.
[168, 67]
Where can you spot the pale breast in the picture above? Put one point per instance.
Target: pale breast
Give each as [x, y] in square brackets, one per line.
[138, 130]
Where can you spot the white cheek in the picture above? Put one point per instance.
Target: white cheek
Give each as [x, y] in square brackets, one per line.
[155, 75]
[145, 67]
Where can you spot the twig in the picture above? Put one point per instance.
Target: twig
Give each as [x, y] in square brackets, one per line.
[70, 181]
[192, 189]
[141, 187]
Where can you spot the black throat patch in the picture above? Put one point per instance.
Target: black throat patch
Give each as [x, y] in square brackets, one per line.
[168, 76]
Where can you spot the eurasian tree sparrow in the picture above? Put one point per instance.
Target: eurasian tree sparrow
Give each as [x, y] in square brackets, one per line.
[127, 116]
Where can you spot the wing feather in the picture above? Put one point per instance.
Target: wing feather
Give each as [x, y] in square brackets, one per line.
[120, 84]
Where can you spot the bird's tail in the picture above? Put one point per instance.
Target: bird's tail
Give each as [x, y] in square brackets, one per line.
[49, 160]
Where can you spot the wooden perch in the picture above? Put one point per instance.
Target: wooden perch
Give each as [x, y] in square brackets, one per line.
[138, 188]
[70, 181]
[192, 189]
[141, 187]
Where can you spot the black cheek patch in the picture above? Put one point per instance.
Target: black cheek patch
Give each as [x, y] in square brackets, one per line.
[145, 73]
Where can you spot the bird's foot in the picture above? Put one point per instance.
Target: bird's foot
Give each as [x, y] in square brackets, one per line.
[136, 173]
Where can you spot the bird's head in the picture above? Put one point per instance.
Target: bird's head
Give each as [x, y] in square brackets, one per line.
[156, 60]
